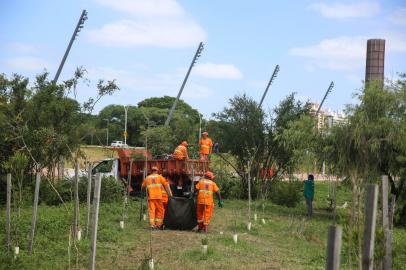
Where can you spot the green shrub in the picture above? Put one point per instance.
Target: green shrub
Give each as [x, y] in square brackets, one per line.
[286, 193]
[229, 184]
[111, 190]
[48, 195]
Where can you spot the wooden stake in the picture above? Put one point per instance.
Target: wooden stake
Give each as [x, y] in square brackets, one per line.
[249, 193]
[76, 196]
[89, 190]
[34, 213]
[392, 211]
[371, 203]
[334, 247]
[387, 259]
[95, 219]
[8, 213]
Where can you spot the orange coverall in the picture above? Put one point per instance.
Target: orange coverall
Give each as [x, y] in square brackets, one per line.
[205, 205]
[206, 145]
[154, 184]
[180, 153]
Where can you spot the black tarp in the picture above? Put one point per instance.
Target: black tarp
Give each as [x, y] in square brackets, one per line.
[181, 214]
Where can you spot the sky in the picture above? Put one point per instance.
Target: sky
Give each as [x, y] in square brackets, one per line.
[147, 46]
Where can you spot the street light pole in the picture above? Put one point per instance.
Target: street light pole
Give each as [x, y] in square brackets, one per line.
[79, 26]
[125, 124]
[107, 132]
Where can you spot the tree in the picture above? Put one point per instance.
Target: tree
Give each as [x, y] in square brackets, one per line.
[283, 150]
[42, 121]
[243, 127]
[184, 125]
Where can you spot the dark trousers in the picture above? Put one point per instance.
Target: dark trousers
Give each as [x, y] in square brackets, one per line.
[309, 204]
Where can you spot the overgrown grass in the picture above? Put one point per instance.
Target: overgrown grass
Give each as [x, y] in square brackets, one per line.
[287, 241]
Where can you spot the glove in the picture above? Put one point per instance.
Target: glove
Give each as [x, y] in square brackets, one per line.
[221, 203]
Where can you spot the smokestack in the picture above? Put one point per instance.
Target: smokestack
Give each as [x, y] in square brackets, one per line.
[375, 64]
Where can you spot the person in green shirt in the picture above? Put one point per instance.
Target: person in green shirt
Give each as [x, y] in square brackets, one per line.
[308, 193]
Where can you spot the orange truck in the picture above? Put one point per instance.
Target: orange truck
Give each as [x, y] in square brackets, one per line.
[180, 173]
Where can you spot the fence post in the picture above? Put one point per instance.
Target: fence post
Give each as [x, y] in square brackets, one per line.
[89, 190]
[61, 167]
[95, 219]
[76, 197]
[371, 203]
[392, 211]
[34, 212]
[387, 259]
[334, 247]
[8, 212]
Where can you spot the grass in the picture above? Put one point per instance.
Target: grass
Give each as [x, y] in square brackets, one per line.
[287, 241]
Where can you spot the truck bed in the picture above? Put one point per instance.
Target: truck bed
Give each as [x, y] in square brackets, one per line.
[167, 167]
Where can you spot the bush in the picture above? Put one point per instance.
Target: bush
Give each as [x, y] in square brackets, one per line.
[48, 195]
[286, 193]
[229, 184]
[111, 191]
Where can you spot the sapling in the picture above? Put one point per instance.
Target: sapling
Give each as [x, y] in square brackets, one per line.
[205, 242]
[151, 264]
[16, 251]
[263, 213]
[235, 238]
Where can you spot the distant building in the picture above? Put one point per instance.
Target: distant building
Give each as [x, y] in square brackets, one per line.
[326, 118]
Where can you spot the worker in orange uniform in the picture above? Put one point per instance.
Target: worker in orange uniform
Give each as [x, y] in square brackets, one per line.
[205, 189]
[154, 184]
[206, 145]
[180, 152]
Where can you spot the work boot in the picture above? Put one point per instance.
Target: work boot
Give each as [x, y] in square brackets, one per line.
[199, 227]
[205, 228]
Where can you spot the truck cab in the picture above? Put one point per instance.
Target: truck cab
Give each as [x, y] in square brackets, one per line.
[108, 168]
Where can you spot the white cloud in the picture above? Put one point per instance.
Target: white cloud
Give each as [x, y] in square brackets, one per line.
[347, 53]
[145, 8]
[399, 16]
[156, 33]
[218, 71]
[150, 84]
[337, 53]
[341, 10]
[27, 63]
[156, 23]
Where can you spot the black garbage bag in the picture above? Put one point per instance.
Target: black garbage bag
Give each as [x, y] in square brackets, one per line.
[181, 214]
